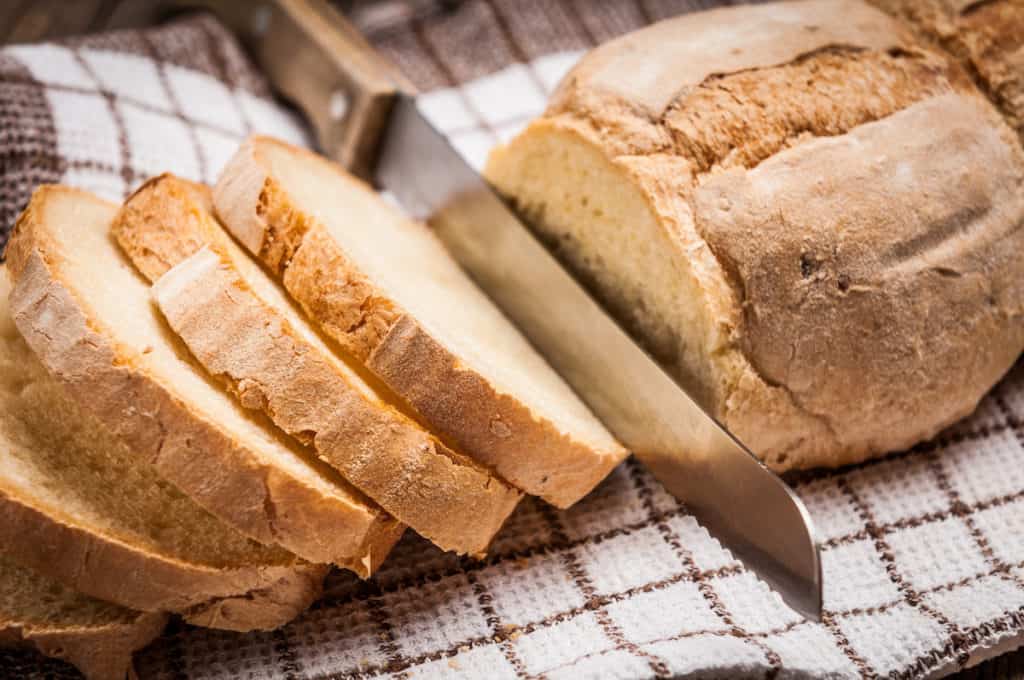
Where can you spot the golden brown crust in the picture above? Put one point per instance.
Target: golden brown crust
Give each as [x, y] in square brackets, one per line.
[886, 320]
[807, 373]
[494, 428]
[985, 36]
[253, 496]
[100, 652]
[625, 86]
[454, 503]
[109, 569]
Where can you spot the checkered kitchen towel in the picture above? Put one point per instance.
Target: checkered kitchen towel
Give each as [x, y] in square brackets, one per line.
[924, 551]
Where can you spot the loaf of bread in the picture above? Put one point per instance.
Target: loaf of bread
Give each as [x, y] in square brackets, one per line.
[96, 637]
[816, 222]
[243, 329]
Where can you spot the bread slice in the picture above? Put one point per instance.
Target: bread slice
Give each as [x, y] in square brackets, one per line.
[242, 327]
[813, 220]
[96, 637]
[385, 289]
[78, 506]
[88, 316]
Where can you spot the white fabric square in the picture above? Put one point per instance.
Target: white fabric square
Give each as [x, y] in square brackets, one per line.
[936, 553]
[86, 129]
[630, 561]
[899, 489]
[983, 472]
[612, 664]
[508, 94]
[440, 615]
[477, 662]
[205, 99]
[980, 601]
[1003, 525]
[507, 131]
[707, 553]
[100, 181]
[855, 577]
[53, 65]
[614, 503]
[447, 110]
[813, 650]
[474, 146]
[324, 645]
[159, 142]
[832, 510]
[554, 646]
[753, 606]
[663, 613]
[735, 657]
[660, 499]
[893, 639]
[529, 590]
[553, 67]
[269, 119]
[129, 76]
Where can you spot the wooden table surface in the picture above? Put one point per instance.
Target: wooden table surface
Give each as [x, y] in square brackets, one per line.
[31, 20]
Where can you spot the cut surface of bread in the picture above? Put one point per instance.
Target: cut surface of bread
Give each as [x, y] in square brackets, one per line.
[385, 289]
[815, 222]
[96, 637]
[242, 327]
[76, 505]
[88, 316]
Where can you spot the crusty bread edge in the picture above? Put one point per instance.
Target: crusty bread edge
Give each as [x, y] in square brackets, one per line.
[497, 429]
[101, 652]
[110, 569]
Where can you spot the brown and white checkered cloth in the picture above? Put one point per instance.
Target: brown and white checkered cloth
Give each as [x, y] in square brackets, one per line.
[923, 552]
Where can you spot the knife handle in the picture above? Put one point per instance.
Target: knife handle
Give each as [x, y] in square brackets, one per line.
[320, 62]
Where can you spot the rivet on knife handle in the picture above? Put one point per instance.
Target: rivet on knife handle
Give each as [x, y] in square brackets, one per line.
[317, 60]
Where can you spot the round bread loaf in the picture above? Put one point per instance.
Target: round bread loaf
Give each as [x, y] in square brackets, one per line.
[817, 223]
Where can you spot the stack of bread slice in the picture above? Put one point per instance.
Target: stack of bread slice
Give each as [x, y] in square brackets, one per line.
[196, 429]
[97, 637]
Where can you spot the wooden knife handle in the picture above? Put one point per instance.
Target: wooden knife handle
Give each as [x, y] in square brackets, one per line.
[320, 62]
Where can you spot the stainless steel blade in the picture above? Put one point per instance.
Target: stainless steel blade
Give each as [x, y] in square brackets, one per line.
[743, 504]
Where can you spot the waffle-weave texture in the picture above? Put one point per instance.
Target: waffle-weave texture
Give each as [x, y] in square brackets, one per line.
[923, 551]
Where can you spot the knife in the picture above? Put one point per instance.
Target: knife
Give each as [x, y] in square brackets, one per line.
[367, 117]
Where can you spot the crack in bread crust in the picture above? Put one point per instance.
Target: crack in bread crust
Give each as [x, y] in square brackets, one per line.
[987, 39]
